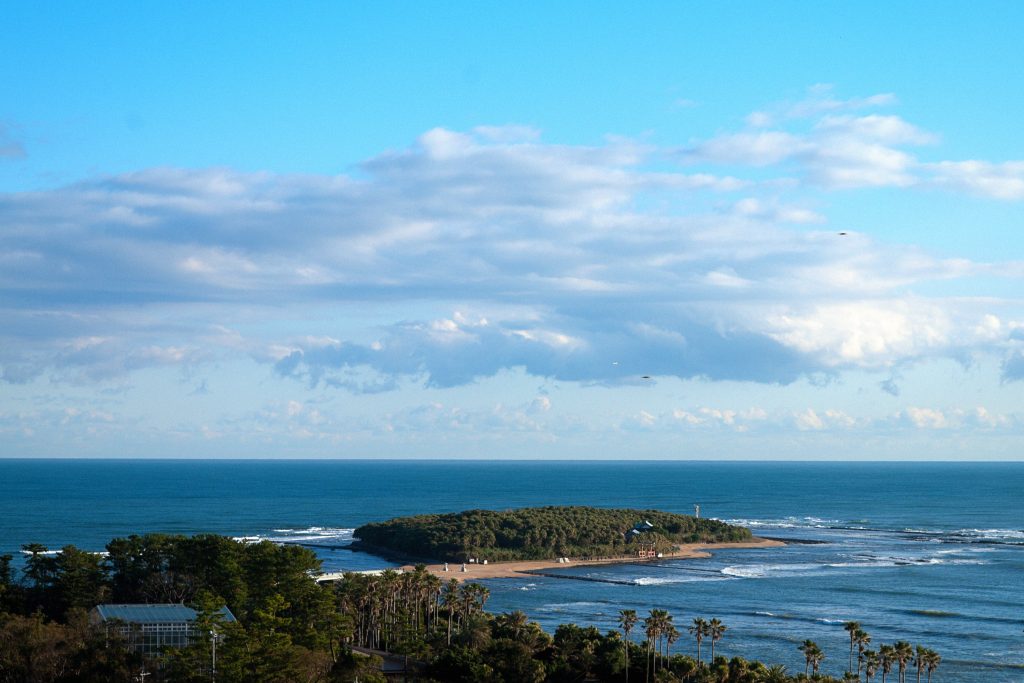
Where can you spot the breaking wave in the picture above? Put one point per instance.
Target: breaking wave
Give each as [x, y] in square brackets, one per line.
[314, 535]
[993, 536]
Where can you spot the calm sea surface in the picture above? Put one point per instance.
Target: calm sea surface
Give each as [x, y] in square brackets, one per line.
[929, 553]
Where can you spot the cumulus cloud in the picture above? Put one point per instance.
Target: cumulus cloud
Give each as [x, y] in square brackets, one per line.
[1001, 181]
[829, 140]
[832, 143]
[960, 418]
[490, 249]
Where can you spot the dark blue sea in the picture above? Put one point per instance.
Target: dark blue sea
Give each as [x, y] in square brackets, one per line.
[932, 553]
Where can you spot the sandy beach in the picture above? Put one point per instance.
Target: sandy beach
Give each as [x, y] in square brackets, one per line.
[504, 570]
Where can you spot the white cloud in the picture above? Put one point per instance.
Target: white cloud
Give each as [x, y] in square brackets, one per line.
[579, 263]
[868, 334]
[845, 150]
[808, 420]
[927, 418]
[837, 152]
[999, 181]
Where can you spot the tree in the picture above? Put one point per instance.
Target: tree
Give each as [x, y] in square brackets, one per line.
[716, 629]
[579, 653]
[517, 627]
[8, 589]
[698, 630]
[79, 581]
[861, 639]
[198, 661]
[871, 663]
[40, 572]
[851, 627]
[32, 649]
[812, 656]
[651, 631]
[904, 652]
[355, 667]
[514, 661]
[932, 663]
[460, 665]
[816, 660]
[775, 674]
[662, 623]
[671, 636]
[886, 657]
[627, 620]
[920, 657]
[269, 653]
[450, 600]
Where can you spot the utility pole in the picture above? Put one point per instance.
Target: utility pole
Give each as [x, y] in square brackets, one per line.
[213, 656]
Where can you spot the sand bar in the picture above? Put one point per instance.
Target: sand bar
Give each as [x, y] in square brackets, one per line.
[507, 570]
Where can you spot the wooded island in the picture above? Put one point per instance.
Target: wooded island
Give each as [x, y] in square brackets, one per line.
[542, 533]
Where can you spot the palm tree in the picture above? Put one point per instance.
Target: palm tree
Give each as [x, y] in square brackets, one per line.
[816, 659]
[861, 639]
[887, 657]
[851, 627]
[697, 630]
[664, 626]
[871, 663]
[671, 636]
[920, 657]
[812, 655]
[932, 663]
[651, 631]
[904, 652]
[716, 629]
[627, 620]
[450, 600]
[656, 626]
[775, 674]
[514, 625]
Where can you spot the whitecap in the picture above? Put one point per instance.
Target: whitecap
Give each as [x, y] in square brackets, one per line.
[755, 571]
[663, 580]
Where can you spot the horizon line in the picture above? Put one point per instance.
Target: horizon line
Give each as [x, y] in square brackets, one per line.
[506, 460]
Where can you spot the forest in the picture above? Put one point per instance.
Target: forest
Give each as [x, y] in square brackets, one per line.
[291, 628]
[539, 533]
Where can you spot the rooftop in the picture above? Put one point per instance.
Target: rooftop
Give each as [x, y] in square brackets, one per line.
[153, 614]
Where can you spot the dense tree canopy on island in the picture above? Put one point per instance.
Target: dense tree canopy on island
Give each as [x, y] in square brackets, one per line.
[540, 533]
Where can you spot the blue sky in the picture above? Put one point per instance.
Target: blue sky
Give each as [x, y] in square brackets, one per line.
[716, 230]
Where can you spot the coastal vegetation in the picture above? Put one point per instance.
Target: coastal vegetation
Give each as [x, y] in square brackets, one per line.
[290, 628]
[541, 533]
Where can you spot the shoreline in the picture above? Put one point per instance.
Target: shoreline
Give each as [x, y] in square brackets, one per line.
[524, 568]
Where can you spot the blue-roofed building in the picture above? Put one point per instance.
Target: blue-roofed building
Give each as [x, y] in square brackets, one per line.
[148, 629]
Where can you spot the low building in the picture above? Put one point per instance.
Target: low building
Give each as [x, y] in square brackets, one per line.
[148, 629]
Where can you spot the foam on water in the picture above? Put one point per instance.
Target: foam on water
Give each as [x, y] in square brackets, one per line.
[664, 580]
[312, 535]
[756, 571]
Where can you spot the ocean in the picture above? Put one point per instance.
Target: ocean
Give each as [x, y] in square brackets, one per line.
[931, 553]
